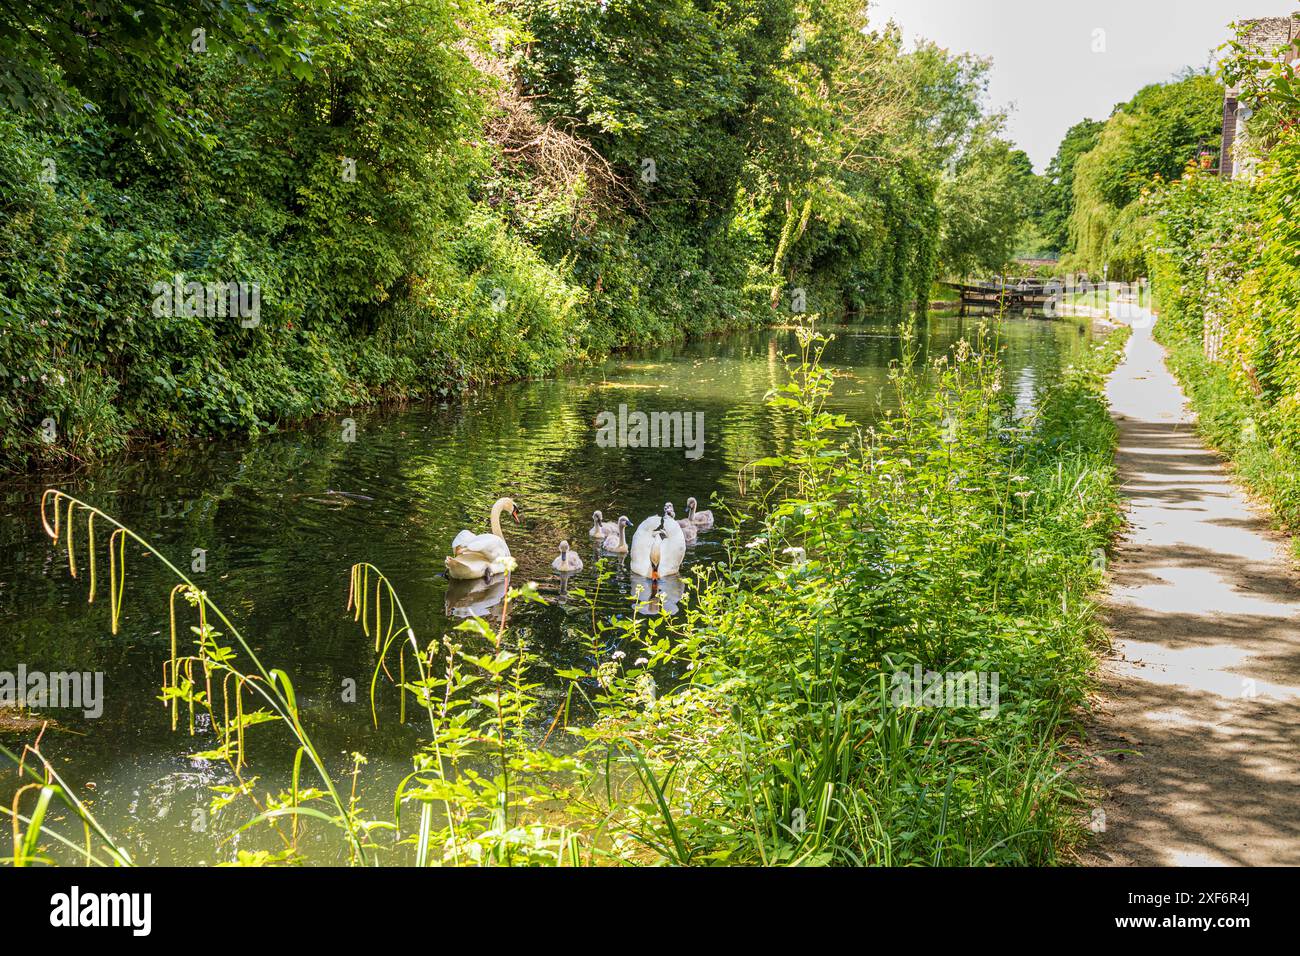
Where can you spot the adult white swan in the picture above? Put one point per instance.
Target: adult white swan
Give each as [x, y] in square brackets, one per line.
[657, 548]
[482, 555]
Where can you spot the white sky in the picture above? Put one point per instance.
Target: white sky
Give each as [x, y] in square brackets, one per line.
[1043, 64]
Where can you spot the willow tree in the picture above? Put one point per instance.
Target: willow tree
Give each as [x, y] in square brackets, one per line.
[1146, 141]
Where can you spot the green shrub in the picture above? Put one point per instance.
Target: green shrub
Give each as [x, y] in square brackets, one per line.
[457, 255]
[1225, 278]
[949, 537]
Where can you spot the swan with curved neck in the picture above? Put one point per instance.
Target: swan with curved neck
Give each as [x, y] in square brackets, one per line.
[703, 519]
[482, 555]
[501, 505]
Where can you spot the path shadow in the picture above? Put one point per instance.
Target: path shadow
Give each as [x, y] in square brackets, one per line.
[1188, 776]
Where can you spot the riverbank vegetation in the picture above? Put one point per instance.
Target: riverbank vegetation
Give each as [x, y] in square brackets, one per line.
[232, 225]
[951, 539]
[789, 716]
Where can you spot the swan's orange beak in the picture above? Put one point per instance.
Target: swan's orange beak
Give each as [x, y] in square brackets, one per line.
[514, 513]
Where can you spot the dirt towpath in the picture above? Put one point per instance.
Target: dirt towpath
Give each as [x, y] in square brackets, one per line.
[1204, 677]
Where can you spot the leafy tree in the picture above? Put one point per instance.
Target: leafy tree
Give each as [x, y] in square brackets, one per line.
[437, 193]
[1058, 201]
[126, 61]
[866, 231]
[676, 94]
[985, 202]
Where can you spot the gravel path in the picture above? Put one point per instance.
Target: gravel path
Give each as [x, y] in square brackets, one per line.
[1203, 680]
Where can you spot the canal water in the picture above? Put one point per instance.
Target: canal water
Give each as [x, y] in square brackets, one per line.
[278, 538]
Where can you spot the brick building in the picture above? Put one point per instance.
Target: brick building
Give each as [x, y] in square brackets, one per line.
[1272, 37]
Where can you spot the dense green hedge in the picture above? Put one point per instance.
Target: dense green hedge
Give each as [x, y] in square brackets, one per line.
[1223, 256]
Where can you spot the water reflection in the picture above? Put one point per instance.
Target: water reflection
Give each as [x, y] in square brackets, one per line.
[474, 598]
[651, 598]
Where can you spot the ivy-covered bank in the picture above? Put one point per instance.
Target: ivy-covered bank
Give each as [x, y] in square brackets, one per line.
[393, 200]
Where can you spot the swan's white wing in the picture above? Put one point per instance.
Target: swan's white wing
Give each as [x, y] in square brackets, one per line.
[487, 545]
[477, 554]
[466, 567]
[672, 551]
[639, 556]
[649, 524]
